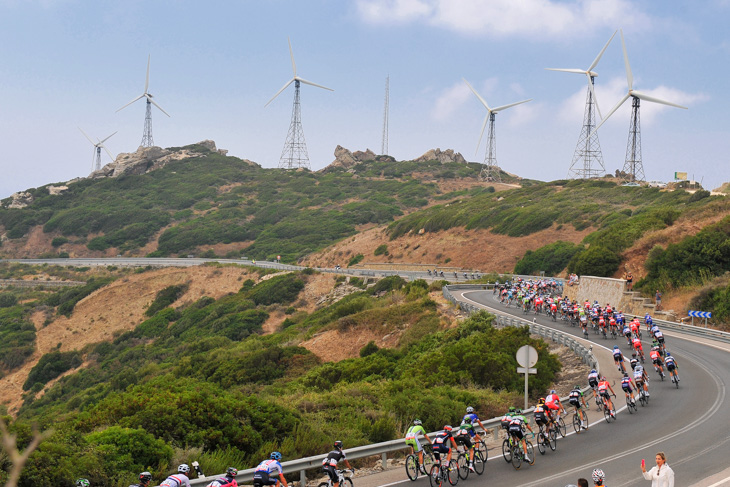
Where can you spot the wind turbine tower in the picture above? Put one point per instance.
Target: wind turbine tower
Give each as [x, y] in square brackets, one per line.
[587, 158]
[294, 155]
[490, 169]
[633, 166]
[147, 140]
[98, 145]
[384, 146]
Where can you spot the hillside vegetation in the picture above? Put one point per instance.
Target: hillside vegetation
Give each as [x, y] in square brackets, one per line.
[202, 382]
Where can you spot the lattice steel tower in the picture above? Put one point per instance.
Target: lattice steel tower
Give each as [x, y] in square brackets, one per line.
[147, 140]
[588, 159]
[633, 167]
[490, 169]
[295, 154]
[384, 146]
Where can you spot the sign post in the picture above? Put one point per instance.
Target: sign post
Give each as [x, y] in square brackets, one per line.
[700, 314]
[526, 357]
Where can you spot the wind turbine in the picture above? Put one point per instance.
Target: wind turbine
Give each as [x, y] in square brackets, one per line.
[633, 167]
[147, 134]
[98, 145]
[490, 170]
[295, 154]
[588, 148]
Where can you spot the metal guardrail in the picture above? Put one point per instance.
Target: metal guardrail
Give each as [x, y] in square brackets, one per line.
[699, 331]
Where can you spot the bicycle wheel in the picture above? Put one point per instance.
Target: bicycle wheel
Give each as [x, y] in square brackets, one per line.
[412, 466]
[481, 447]
[479, 462]
[324, 484]
[607, 415]
[428, 461]
[530, 453]
[506, 451]
[434, 476]
[516, 457]
[541, 442]
[553, 440]
[562, 428]
[346, 482]
[453, 472]
[576, 423]
[628, 405]
[463, 461]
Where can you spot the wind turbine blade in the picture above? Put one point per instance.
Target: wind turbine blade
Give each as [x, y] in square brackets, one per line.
[279, 92]
[87, 137]
[313, 84]
[629, 75]
[504, 107]
[291, 53]
[481, 134]
[158, 106]
[642, 96]
[577, 71]
[125, 106]
[621, 102]
[477, 94]
[107, 151]
[598, 58]
[593, 94]
[147, 79]
[104, 140]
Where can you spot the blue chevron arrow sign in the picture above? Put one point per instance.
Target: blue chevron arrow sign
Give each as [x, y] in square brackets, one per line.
[700, 314]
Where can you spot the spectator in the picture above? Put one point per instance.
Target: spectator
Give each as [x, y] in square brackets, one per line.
[661, 475]
[629, 280]
[582, 483]
[658, 300]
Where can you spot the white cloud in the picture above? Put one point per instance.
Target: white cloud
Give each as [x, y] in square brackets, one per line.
[450, 100]
[508, 18]
[522, 115]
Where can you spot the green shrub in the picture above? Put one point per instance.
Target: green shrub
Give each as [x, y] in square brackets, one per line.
[369, 349]
[133, 450]
[551, 259]
[166, 297]
[67, 298]
[7, 300]
[716, 300]
[50, 366]
[698, 195]
[280, 289]
[381, 250]
[386, 284]
[596, 260]
[58, 241]
[356, 259]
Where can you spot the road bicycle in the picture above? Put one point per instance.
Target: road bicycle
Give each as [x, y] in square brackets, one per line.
[558, 425]
[440, 474]
[413, 465]
[608, 414]
[507, 445]
[344, 477]
[463, 461]
[614, 332]
[630, 404]
[546, 440]
[643, 398]
[675, 377]
[518, 455]
[578, 421]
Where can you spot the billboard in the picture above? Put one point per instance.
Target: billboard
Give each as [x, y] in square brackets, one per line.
[680, 176]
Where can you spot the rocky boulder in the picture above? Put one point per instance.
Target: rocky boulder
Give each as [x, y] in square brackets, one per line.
[21, 199]
[346, 159]
[442, 156]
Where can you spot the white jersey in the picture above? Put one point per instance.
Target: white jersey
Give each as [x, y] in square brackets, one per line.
[639, 373]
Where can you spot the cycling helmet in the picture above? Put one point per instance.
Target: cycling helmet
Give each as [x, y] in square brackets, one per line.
[470, 409]
[576, 386]
[633, 354]
[598, 476]
[552, 391]
[417, 422]
[232, 471]
[145, 477]
[541, 400]
[82, 483]
[593, 371]
[338, 444]
[183, 468]
[626, 374]
[615, 347]
[669, 354]
[512, 409]
[277, 456]
[467, 420]
[448, 427]
[518, 411]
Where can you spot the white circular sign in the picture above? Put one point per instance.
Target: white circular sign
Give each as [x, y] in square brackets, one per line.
[526, 356]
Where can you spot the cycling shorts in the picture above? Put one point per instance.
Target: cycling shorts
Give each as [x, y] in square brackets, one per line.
[463, 440]
[516, 432]
[541, 419]
[604, 393]
[627, 388]
[660, 339]
[574, 401]
[330, 470]
[671, 367]
[262, 478]
[552, 405]
[441, 448]
[658, 361]
[415, 444]
[593, 383]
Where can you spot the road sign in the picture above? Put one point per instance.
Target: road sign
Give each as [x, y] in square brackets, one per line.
[700, 314]
[526, 356]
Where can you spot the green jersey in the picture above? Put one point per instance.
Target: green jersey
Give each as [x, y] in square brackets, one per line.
[413, 432]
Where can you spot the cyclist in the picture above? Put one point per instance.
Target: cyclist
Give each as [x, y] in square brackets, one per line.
[648, 320]
[641, 379]
[634, 361]
[541, 415]
[329, 464]
[552, 401]
[659, 337]
[265, 472]
[575, 398]
[180, 479]
[598, 476]
[507, 418]
[603, 388]
[516, 428]
[463, 437]
[626, 384]
[144, 480]
[671, 365]
[656, 359]
[474, 419]
[627, 333]
[636, 343]
[634, 325]
[593, 381]
[414, 443]
[618, 358]
[83, 483]
[442, 444]
[229, 480]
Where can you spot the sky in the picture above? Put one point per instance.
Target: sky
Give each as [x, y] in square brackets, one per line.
[72, 63]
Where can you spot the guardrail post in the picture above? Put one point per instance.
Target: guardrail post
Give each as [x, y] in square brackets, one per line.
[384, 459]
[303, 478]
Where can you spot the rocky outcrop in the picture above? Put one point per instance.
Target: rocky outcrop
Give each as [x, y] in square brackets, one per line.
[345, 159]
[442, 156]
[148, 159]
[21, 199]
